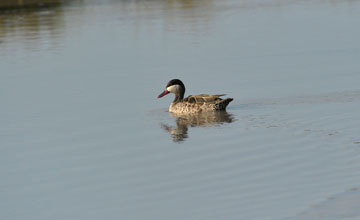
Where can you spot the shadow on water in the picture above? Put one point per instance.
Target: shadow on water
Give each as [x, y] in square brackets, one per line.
[36, 25]
[180, 132]
[31, 28]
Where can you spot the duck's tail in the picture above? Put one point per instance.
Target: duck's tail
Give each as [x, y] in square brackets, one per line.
[221, 105]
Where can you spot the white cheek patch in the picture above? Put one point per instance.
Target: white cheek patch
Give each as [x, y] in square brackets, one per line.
[173, 89]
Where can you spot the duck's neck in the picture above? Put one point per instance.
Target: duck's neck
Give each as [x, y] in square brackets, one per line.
[178, 97]
[178, 91]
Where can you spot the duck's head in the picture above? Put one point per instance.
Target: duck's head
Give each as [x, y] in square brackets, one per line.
[174, 86]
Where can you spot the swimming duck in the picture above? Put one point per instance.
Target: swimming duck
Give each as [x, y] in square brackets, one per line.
[193, 104]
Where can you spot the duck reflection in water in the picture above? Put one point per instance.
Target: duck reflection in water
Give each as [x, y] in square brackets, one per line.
[206, 119]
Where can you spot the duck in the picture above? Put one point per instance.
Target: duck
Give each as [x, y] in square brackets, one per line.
[193, 104]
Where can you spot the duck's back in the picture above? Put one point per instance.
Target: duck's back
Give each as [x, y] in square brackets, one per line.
[203, 98]
[200, 103]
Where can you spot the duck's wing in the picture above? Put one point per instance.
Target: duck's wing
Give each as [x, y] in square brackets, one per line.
[203, 98]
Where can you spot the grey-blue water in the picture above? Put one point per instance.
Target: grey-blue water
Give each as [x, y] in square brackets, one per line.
[83, 136]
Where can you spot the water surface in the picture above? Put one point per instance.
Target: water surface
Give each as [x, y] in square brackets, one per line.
[83, 135]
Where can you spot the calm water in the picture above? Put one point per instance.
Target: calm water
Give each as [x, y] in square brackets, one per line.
[83, 136]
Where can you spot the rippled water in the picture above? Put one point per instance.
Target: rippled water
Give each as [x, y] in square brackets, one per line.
[83, 136]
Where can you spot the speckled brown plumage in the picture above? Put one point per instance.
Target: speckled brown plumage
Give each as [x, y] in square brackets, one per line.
[200, 103]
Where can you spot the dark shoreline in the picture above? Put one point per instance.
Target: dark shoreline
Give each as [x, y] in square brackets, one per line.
[11, 4]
